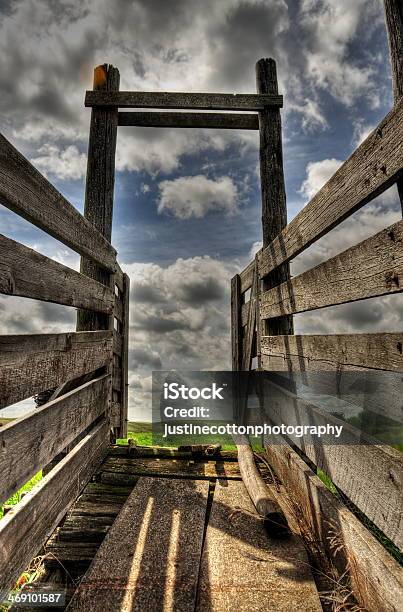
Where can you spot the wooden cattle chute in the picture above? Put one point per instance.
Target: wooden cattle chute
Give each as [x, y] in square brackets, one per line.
[89, 368]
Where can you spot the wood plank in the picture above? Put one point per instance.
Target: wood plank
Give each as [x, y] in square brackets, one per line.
[30, 442]
[99, 187]
[119, 277]
[24, 529]
[26, 273]
[226, 121]
[29, 194]
[372, 268]
[376, 577]
[379, 351]
[160, 528]
[32, 363]
[247, 277]
[236, 332]
[118, 309]
[250, 331]
[361, 369]
[242, 569]
[202, 101]
[369, 474]
[373, 167]
[117, 343]
[173, 468]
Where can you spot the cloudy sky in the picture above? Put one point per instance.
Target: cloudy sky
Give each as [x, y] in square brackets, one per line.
[187, 202]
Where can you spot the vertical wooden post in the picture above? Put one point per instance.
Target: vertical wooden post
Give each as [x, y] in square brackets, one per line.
[274, 210]
[125, 355]
[236, 323]
[99, 187]
[394, 25]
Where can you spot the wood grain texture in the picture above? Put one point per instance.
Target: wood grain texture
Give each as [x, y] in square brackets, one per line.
[243, 569]
[376, 577]
[274, 207]
[32, 363]
[370, 475]
[99, 187]
[379, 351]
[202, 101]
[29, 194]
[30, 442]
[26, 273]
[160, 529]
[373, 167]
[25, 529]
[223, 121]
[372, 268]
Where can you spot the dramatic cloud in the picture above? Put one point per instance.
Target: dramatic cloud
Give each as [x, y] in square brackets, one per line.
[67, 164]
[195, 196]
[317, 173]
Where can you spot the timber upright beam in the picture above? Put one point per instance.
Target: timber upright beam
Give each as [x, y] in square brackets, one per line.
[274, 210]
[100, 181]
[394, 26]
[99, 189]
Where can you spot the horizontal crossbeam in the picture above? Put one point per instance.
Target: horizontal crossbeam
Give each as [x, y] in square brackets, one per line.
[202, 101]
[225, 121]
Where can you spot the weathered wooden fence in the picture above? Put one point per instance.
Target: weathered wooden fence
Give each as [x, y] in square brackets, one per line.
[87, 369]
[264, 298]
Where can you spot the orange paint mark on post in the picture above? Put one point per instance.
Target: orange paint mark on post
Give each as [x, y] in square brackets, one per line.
[100, 76]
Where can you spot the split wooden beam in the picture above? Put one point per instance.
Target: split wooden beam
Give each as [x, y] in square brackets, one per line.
[31, 363]
[202, 101]
[219, 121]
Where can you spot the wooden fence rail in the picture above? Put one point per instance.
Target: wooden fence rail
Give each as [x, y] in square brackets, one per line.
[371, 169]
[25, 529]
[31, 442]
[32, 363]
[26, 273]
[29, 194]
